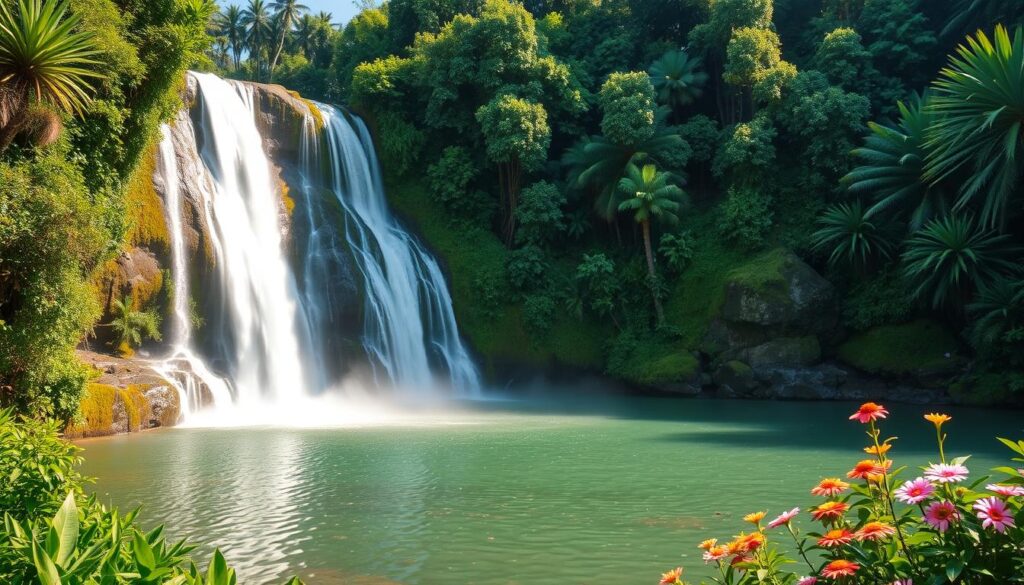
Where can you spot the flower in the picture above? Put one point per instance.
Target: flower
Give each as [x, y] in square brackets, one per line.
[940, 514]
[784, 518]
[1007, 491]
[837, 537]
[829, 487]
[903, 582]
[869, 411]
[715, 553]
[807, 581]
[673, 577]
[745, 543]
[755, 518]
[915, 491]
[878, 449]
[708, 544]
[937, 419]
[830, 510]
[945, 473]
[875, 531]
[993, 513]
[869, 469]
[839, 568]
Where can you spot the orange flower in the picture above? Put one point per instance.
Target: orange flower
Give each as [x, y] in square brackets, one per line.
[735, 547]
[751, 542]
[839, 568]
[875, 531]
[869, 411]
[755, 518]
[836, 538]
[829, 487]
[707, 544]
[869, 469]
[937, 419]
[879, 450]
[673, 577]
[829, 510]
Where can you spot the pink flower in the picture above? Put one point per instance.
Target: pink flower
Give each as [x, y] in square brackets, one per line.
[784, 518]
[903, 582]
[807, 581]
[1007, 491]
[940, 514]
[944, 473]
[915, 492]
[993, 513]
[869, 411]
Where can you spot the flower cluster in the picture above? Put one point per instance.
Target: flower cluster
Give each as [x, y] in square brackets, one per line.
[873, 527]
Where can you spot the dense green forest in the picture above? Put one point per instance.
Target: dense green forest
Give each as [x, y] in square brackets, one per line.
[592, 172]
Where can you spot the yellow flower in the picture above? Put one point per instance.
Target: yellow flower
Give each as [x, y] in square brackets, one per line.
[708, 544]
[937, 419]
[879, 450]
[755, 518]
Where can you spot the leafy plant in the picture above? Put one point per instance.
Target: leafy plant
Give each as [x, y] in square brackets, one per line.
[42, 60]
[998, 313]
[894, 167]
[747, 218]
[951, 256]
[677, 78]
[851, 235]
[677, 250]
[977, 129]
[132, 326]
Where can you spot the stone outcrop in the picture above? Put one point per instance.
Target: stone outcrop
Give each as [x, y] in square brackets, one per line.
[126, 396]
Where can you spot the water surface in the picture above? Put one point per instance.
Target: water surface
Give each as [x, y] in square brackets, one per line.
[599, 490]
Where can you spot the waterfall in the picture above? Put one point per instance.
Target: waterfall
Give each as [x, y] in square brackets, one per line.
[272, 332]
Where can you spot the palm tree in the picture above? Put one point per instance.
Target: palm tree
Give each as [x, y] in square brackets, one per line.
[997, 310]
[677, 78]
[305, 31]
[287, 14]
[132, 326]
[232, 27]
[256, 21]
[650, 195]
[952, 256]
[978, 108]
[893, 169]
[42, 63]
[851, 235]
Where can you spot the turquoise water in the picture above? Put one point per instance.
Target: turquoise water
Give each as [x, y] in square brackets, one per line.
[596, 490]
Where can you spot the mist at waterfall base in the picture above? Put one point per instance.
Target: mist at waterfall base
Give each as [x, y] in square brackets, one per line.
[273, 348]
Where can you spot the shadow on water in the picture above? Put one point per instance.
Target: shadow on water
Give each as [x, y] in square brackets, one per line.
[771, 424]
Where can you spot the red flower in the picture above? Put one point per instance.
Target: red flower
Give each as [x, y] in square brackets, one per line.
[869, 469]
[840, 568]
[875, 531]
[868, 412]
[835, 538]
[829, 510]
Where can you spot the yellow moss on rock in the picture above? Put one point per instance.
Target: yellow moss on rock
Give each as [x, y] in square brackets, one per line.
[97, 412]
[289, 201]
[147, 224]
[136, 406]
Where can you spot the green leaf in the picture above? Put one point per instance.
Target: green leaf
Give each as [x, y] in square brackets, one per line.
[65, 525]
[218, 572]
[144, 557]
[953, 569]
[47, 571]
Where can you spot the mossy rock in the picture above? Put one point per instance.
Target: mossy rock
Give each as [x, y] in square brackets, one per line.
[136, 407]
[784, 351]
[96, 412]
[778, 290]
[146, 217]
[922, 347]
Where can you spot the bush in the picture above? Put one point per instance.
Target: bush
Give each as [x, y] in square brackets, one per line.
[540, 213]
[880, 300]
[940, 527]
[52, 534]
[525, 268]
[677, 250]
[400, 142]
[746, 218]
[538, 312]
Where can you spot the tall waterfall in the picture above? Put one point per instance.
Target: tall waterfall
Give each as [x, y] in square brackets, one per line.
[271, 333]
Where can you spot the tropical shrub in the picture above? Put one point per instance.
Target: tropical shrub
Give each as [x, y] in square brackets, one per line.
[852, 236]
[746, 217]
[876, 526]
[676, 250]
[677, 78]
[132, 326]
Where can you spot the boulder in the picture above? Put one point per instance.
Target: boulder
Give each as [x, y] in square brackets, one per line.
[734, 379]
[783, 351]
[779, 291]
[821, 382]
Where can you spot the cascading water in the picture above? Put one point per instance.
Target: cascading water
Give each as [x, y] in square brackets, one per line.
[272, 334]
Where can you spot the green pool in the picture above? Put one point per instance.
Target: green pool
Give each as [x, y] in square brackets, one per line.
[587, 491]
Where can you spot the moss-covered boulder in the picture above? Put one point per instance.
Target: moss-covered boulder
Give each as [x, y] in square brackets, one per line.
[734, 379]
[922, 350]
[778, 290]
[783, 351]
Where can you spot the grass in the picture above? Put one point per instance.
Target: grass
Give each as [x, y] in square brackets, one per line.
[469, 254]
[899, 349]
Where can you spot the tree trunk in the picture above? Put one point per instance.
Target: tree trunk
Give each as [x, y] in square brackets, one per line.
[277, 53]
[651, 276]
[509, 176]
